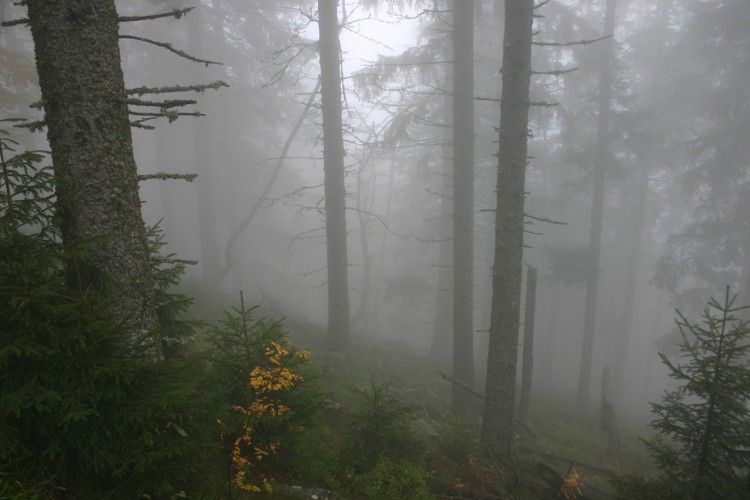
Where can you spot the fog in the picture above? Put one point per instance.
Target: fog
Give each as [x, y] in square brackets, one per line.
[675, 207]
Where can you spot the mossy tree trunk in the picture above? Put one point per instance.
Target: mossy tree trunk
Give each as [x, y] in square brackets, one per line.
[500, 390]
[333, 166]
[78, 61]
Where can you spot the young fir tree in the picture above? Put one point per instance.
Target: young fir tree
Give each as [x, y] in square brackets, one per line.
[703, 427]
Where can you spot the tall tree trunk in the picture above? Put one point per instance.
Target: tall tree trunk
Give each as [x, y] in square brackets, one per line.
[78, 61]
[204, 184]
[440, 348]
[333, 166]
[375, 324]
[463, 202]
[500, 390]
[364, 201]
[631, 267]
[595, 241]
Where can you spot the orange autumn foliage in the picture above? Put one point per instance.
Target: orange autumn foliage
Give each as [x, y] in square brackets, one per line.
[265, 382]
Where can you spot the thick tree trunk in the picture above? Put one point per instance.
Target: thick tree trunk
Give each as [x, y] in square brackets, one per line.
[497, 424]
[463, 202]
[335, 190]
[597, 210]
[78, 61]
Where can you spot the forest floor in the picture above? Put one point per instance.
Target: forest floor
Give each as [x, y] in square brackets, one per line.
[563, 451]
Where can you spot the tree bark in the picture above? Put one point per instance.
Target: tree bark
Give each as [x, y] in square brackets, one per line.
[528, 343]
[597, 210]
[463, 201]
[78, 61]
[335, 189]
[497, 423]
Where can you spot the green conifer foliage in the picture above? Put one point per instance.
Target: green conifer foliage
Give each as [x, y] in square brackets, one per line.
[703, 426]
[84, 413]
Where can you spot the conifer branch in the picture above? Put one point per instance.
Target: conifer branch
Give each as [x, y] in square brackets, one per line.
[169, 47]
[163, 176]
[173, 103]
[570, 44]
[34, 126]
[15, 22]
[543, 104]
[176, 13]
[176, 88]
[171, 116]
[554, 72]
[543, 219]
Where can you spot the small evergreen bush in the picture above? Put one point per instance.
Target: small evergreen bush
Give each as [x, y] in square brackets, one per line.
[84, 413]
[702, 443]
[378, 427]
[391, 480]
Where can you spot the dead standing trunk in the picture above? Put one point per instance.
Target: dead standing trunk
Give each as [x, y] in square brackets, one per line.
[497, 423]
[78, 61]
[335, 189]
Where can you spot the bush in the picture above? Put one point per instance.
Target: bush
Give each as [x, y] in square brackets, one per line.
[84, 413]
[702, 438]
[390, 480]
[379, 428]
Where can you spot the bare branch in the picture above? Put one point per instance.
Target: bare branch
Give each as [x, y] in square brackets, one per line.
[169, 47]
[173, 103]
[15, 22]
[163, 176]
[554, 72]
[176, 13]
[543, 219]
[543, 104]
[570, 44]
[177, 88]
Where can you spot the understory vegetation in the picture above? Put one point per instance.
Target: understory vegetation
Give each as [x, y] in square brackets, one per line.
[236, 408]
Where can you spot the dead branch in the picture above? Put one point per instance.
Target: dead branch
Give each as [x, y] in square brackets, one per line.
[570, 44]
[169, 47]
[176, 88]
[165, 176]
[274, 175]
[176, 13]
[15, 22]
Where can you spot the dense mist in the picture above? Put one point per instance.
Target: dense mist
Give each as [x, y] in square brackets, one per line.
[653, 114]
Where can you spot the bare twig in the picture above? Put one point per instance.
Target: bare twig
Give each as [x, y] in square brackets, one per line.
[570, 44]
[176, 88]
[176, 13]
[169, 47]
[164, 176]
